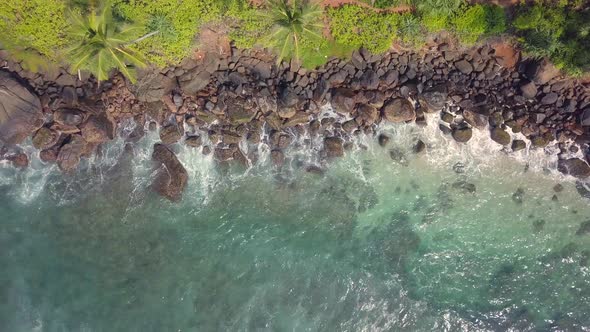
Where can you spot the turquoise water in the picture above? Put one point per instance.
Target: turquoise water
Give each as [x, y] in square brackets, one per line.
[370, 245]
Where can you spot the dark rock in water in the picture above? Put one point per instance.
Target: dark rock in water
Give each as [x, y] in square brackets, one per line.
[475, 119]
[68, 117]
[367, 114]
[172, 177]
[223, 154]
[459, 168]
[447, 117]
[538, 225]
[278, 157]
[528, 90]
[333, 147]
[558, 188]
[20, 110]
[540, 141]
[314, 170]
[445, 130]
[171, 134]
[500, 136]
[574, 167]
[462, 135]
[98, 129]
[49, 155]
[584, 228]
[518, 196]
[70, 154]
[398, 110]
[554, 198]
[518, 145]
[383, 140]
[18, 160]
[193, 141]
[464, 67]
[465, 186]
[583, 189]
[343, 100]
[419, 147]
[45, 138]
[585, 118]
[398, 156]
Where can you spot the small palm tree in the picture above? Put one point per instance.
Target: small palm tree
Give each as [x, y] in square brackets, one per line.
[102, 44]
[293, 23]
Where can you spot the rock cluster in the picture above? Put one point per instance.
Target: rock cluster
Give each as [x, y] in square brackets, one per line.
[215, 102]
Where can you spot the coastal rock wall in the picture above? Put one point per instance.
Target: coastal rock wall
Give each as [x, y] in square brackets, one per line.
[216, 103]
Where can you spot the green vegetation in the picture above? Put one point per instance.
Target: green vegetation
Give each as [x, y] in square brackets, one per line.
[35, 32]
[102, 44]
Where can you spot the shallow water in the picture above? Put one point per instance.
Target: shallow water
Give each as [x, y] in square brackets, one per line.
[370, 245]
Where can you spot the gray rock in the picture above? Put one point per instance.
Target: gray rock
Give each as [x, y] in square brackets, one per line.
[171, 134]
[464, 66]
[69, 155]
[585, 118]
[550, 98]
[20, 110]
[193, 82]
[518, 145]
[398, 110]
[475, 119]
[151, 86]
[528, 90]
[343, 100]
[434, 98]
[69, 117]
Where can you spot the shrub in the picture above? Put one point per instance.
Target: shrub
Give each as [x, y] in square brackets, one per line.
[357, 27]
[180, 19]
[471, 24]
[247, 23]
[434, 22]
[541, 29]
[495, 19]
[38, 25]
[410, 30]
[439, 8]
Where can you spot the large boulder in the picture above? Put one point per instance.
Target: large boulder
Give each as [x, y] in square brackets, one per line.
[194, 81]
[435, 98]
[172, 177]
[343, 100]
[45, 138]
[151, 86]
[500, 136]
[475, 119]
[464, 66]
[574, 167]
[69, 155]
[398, 110]
[69, 117]
[98, 129]
[20, 110]
[462, 135]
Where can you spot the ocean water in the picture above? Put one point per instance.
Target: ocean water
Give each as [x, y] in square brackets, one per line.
[459, 238]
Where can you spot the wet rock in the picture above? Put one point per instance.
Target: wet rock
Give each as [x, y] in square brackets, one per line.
[343, 100]
[313, 169]
[49, 155]
[419, 147]
[538, 225]
[540, 141]
[98, 129]
[398, 110]
[70, 154]
[383, 140]
[518, 196]
[193, 141]
[459, 168]
[45, 138]
[172, 177]
[171, 134]
[18, 160]
[447, 117]
[367, 114]
[475, 119]
[151, 86]
[462, 135]
[558, 188]
[20, 110]
[464, 67]
[465, 186]
[584, 228]
[435, 98]
[398, 156]
[500, 136]
[278, 157]
[575, 167]
[518, 145]
[299, 118]
[334, 147]
[69, 117]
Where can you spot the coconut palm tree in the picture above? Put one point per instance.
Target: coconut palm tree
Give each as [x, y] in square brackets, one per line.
[293, 24]
[103, 44]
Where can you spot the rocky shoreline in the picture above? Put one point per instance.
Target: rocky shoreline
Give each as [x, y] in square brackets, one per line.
[214, 102]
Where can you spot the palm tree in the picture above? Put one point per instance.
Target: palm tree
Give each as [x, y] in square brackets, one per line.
[293, 23]
[102, 44]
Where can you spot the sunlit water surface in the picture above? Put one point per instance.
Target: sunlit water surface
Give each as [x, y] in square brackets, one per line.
[370, 245]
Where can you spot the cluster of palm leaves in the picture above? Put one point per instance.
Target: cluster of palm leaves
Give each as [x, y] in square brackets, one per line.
[102, 44]
[294, 24]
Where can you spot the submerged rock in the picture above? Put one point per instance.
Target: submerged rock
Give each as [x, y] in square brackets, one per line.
[70, 154]
[462, 135]
[575, 167]
[45, 138]
[584, 228]
[20, 110]
[518, 196]
[500, 136]
[171, 177]
[465, 186]
[334, 147]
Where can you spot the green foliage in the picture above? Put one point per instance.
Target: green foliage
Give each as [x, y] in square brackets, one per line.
[495, 19]
[36, 25]
[471, 24]
[248, 23]
[294, 26]
[439, 8]
[102, 44]
[180, 21]
[434, 22]
[410, 30]
[559, 33]
[357, 27]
